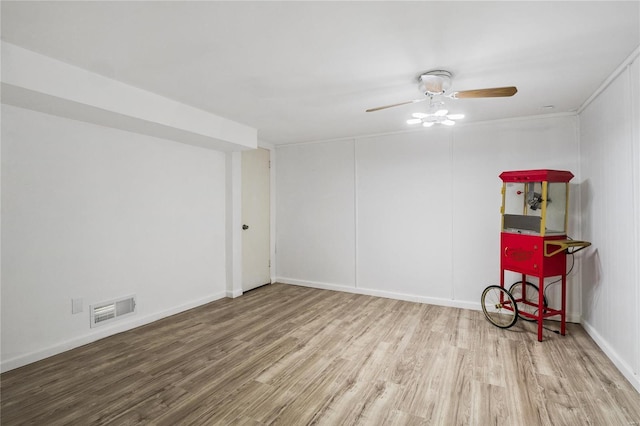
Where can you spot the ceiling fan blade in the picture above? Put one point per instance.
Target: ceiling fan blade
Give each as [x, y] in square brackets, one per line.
[496, 92]
[395, 105]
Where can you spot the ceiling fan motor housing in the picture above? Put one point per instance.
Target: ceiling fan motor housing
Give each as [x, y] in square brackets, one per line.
[434, 82]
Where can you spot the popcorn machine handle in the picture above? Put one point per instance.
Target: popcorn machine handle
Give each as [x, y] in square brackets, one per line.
[564, 245]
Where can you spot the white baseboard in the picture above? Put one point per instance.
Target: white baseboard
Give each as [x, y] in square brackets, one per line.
[463, 304]
[381, 293]
[101, 333]
[620, 364]
[233, 294]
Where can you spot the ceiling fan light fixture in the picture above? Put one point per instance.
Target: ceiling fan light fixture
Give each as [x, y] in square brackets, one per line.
[455, 116]
[434, 82]
[441, 116]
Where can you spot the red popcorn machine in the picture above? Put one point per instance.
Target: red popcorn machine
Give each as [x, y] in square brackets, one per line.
[533, 243]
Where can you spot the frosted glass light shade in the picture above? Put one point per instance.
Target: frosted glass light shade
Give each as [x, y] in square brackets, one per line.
[440, 116]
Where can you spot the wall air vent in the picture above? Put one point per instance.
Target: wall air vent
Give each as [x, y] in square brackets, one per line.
[106, 312]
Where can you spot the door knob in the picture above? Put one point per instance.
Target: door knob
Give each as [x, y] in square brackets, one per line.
[245, 227]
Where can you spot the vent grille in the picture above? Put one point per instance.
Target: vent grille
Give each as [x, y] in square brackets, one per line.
[106, 312]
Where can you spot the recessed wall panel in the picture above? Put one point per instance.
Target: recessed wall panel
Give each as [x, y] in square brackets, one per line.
[315, 213]
[404, 213]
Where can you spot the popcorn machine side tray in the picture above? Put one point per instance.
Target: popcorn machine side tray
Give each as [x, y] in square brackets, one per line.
[559, 245]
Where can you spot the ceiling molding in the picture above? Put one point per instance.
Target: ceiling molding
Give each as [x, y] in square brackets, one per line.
[623, 66]
[450, 129]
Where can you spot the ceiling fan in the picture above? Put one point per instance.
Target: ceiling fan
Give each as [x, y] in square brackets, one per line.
[437, 82]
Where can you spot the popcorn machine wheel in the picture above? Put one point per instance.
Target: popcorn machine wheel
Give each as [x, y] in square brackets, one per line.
[533, 243]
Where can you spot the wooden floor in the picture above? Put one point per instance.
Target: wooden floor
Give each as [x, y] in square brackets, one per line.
[292, 355]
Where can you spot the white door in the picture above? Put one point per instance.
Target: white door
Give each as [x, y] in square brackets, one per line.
[256, 263]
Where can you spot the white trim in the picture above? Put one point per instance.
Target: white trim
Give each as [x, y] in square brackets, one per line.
[422, 129]
[266, 145]
[634, 99]
[355, 213]
[622, 366]
[272, 207]
[513, 119]
[379, 293]
[579, 226]
[451, 303]
[621, 68]
[452, 215]
[233, 294]
[233, 234]
[101, 333]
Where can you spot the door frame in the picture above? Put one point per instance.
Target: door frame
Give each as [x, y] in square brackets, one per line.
[234, 219]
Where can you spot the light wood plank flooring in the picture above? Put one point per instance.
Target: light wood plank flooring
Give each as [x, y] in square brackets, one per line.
[292, 355]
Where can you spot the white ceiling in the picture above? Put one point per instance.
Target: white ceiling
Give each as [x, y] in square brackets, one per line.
[305, 71]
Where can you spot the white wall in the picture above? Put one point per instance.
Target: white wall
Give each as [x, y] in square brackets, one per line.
[610, 168]
[315, 213]
[97, 213]
[404, 214]
[423, 207]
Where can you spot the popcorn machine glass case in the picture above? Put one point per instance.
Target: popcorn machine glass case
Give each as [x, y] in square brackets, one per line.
[534, 207]
[533, 243]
